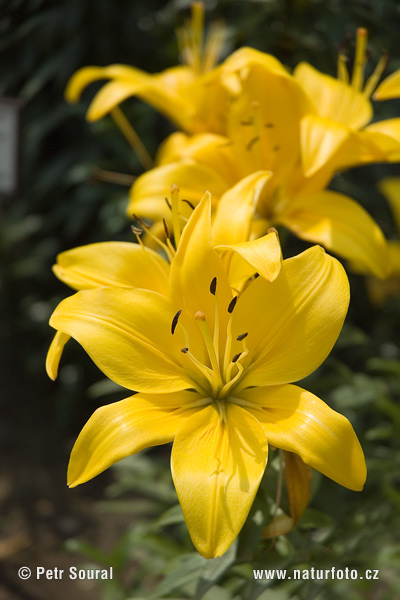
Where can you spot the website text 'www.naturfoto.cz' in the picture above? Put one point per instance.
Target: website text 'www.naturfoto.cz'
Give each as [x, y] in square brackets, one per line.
[313, 573]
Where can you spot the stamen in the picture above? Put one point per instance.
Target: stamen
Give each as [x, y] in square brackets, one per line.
[234, 361]
[372, 82]
[148, 231]
[166, 228]
[242, 336]
[342, 71]
[189, 203]
[357, 78]
[175, 321]
[232, 304]
[252, 142]
[213, 286]
[205, 330]
[138, 232]
[225, 390]
[175, 214]
[205, 371]
[168, 203]
[213, 290]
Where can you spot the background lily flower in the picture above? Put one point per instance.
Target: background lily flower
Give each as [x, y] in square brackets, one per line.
[214, 374]
[339, 129]
[191, 95]
[265, 134]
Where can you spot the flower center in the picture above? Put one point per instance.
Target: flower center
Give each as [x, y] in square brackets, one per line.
[218, 377]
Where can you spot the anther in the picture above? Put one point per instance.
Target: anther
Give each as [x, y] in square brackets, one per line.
[213, 286]
[168, 203]
[185, 350]
[189, 203]
[136, 230]
[242, 336]
[236, 357]
[200, 316]
[166, 228]
[252, 142]
[232, 304]
[175, 321]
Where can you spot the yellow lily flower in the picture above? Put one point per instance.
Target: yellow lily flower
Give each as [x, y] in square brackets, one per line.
[191, 95]
[264, 134]
[125, 264]
[213, 374]
[342, 110]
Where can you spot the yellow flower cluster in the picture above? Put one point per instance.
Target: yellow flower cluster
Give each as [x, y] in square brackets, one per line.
[212, 328]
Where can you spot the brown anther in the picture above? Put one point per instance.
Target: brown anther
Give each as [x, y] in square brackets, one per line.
[200, 316]
[232, 304]
[247, 122]
[189, 203]
[236, 357]
[168, 203]
[185, 350]
[136, 230]
[252, 142]
[242, 336]
[213, 286]
[141, 222]
[175, 321]
[268, 125]
[166, 228]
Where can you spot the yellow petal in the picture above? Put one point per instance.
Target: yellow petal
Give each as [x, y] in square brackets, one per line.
[389, 88]
[245, 57]
[321, 139]
[236, 208]
[109, 96]
[334, 99]
[342, 226]
[263, 254]
[386, 136]
[124, 428]
[293, 322]
[390, 187]
[148, 193]
[217, 467]
[82, 78]
[207, 149]
[54, 354]
[297, 421]
[127, 332]
[263, 122]
[113, 263]
[195, 264]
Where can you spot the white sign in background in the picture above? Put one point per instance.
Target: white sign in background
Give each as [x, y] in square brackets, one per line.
[9, 140]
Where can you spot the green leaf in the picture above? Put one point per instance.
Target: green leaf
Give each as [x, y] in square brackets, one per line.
[214, 570]
[189, 568]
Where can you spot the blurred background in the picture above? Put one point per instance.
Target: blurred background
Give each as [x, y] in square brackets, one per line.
[128, 517]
